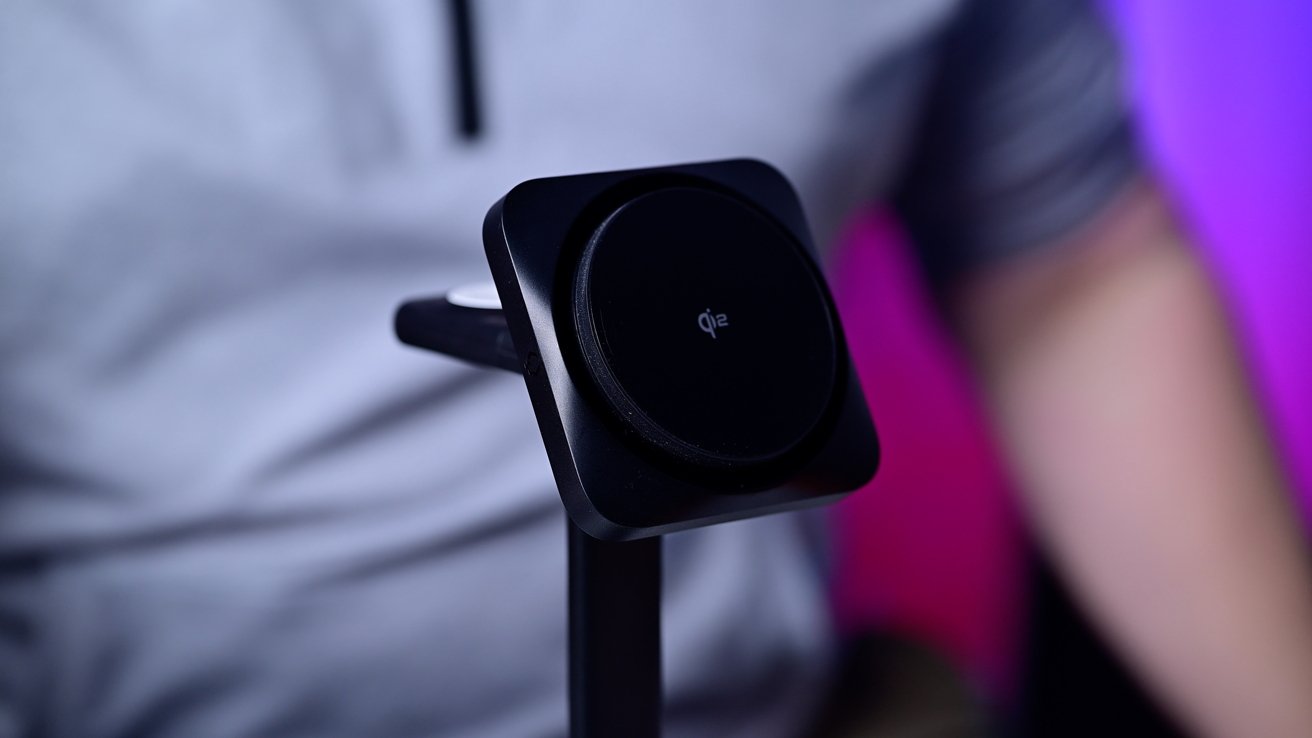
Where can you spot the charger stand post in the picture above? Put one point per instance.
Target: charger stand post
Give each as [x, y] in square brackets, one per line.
[614, 586]
[614, 636]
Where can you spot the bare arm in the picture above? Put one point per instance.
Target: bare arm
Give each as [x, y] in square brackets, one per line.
[1122, 404]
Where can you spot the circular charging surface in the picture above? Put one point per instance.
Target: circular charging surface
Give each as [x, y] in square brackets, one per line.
[706, 328]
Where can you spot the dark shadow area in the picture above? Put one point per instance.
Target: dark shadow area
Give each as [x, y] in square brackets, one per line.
[1072, 685]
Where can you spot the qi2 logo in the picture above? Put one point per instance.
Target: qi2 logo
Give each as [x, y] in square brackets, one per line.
[709, 321]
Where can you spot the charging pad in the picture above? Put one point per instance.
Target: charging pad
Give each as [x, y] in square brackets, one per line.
[684, 357]
[683, 323]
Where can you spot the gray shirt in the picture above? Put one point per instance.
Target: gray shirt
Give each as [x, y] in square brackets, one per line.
[232, 505]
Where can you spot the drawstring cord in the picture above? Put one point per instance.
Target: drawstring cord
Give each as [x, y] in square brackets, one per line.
[469, 117]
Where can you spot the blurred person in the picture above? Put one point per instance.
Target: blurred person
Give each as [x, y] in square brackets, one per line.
[232, 505]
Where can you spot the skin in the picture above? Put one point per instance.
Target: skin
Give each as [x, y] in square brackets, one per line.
[1121, 401]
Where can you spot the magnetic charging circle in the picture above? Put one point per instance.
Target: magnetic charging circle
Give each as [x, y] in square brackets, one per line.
[706, 328]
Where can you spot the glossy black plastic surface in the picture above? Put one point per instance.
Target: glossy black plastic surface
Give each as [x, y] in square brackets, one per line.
[684, 358]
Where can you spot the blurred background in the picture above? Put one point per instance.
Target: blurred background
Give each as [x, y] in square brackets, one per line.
[935, 547]
[935, 550]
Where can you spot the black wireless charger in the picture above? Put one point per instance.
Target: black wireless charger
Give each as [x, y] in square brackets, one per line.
[686, 366]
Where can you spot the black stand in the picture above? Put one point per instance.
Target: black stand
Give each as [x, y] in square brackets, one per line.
[614, 637]
[614, 587]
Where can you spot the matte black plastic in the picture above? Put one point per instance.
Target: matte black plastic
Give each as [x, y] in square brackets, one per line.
[616, 479]
[682, 328]
[470, 334]
[614, 637]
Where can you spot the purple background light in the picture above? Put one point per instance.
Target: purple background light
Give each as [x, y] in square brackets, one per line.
[1225, 90]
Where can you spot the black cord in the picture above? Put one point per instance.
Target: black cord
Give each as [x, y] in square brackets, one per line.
[469, 120]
